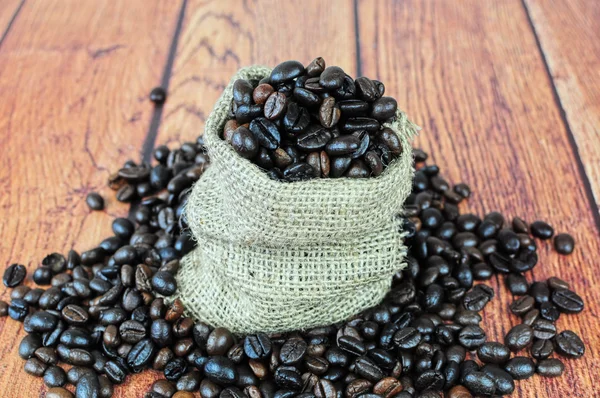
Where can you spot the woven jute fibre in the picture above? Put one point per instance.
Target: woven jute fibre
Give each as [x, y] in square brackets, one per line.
[274, 256]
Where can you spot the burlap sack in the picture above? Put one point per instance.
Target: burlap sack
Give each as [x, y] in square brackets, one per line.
[275, 256]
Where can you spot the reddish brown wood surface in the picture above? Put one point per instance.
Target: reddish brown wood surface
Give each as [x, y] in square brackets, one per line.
[470, 75]
[8, 9]
[469, 72]
[569, 35]
[75, 81]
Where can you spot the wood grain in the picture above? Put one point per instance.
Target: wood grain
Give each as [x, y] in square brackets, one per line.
[468, 73]
[218, 39]
[8, 9]
[569, 34]
[75, 80]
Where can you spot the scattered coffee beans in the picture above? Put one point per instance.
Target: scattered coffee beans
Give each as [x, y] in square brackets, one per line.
[301, 123]
[95, 201]
[101, 313]
[158, 95]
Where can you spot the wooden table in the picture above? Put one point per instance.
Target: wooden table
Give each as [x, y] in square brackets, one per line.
[507, 93]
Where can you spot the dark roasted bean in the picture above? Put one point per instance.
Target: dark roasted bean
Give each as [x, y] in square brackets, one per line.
[14, 275]
[569, 344]
[519, 337]
[567, 301]
[520, 368]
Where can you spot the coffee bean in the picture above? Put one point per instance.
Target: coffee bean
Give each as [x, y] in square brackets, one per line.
[493, 352]
[569, 344]
[299, 172]
[275, 106]
[332, 78]
[54, 376]
[35, 367]
[367, 89]
[292, 351]
[18, 309]
[287, 70]
[550, 367]
[106, 387]
[265, 132]
[94, 201]
[40, 322]
[220, 370]
[520, 368]
[316, 139]
[503, 380]
[567, 301]
[361, 123]
[368, 369]
[329, 113]
[257, 346]
[261, 93]
[384, 108]
[58, 392]
[75, 315]
[543, 329]
[542, 349]
[517, 284]
[242, 92]
[342, 145]
[541, 229]
[471, 337]
[296, 119]
[459, 392]
[564, 243]
[140, 355]
[164, 283]
[522, 305]
[158, 95]
[519, 337]
[14, 275]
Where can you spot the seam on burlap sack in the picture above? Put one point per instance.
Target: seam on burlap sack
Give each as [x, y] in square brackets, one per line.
[275, 256]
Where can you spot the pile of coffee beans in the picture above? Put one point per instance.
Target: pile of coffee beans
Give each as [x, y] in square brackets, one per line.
[310, 122]
[103, 312]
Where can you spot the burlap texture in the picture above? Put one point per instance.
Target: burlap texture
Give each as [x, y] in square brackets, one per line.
[275, 256]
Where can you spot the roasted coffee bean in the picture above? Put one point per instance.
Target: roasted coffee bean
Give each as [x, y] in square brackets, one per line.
[257, 346]
[367, 89]
[459, 392]
[266, 133]
[567, 301]
[384, 108]
[246, 112]
[75, 315]
[564, 243]
[242, 92]
[220, 370]
[285, 71]
[569, 344]
[519, 337]
[244, 142]
[471, 337]
[29, 344]
[164, 283]
[55, 376]
[261, 93]
[522, 305]
[140, 355]
[332, 78]
[517, 284]
[18, 309]
[407, 338]
[35, 367]
[58, 392]
[541, 349]
[219, 341]
[477, 298]
[367, 368]
[361, 123]
[550, 367]
[94, 201]
[14, 275]
[88, 386]
[275, 106]
[479, 383]
[158, 95]
[292, 351]
[493, 352]
[106, 387]
[520, 368]
[543, 329]
[296, 119]
[541, 229]
[503, 380]
[299, 172]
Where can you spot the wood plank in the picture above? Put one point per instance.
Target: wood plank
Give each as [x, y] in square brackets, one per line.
[569, 34]
[8, 9]
[217, 39]
[76, 78]
[470, 74]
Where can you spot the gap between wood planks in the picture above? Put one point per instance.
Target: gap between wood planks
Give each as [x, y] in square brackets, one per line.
[149, 141]
[10, 23]
[563, 116]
